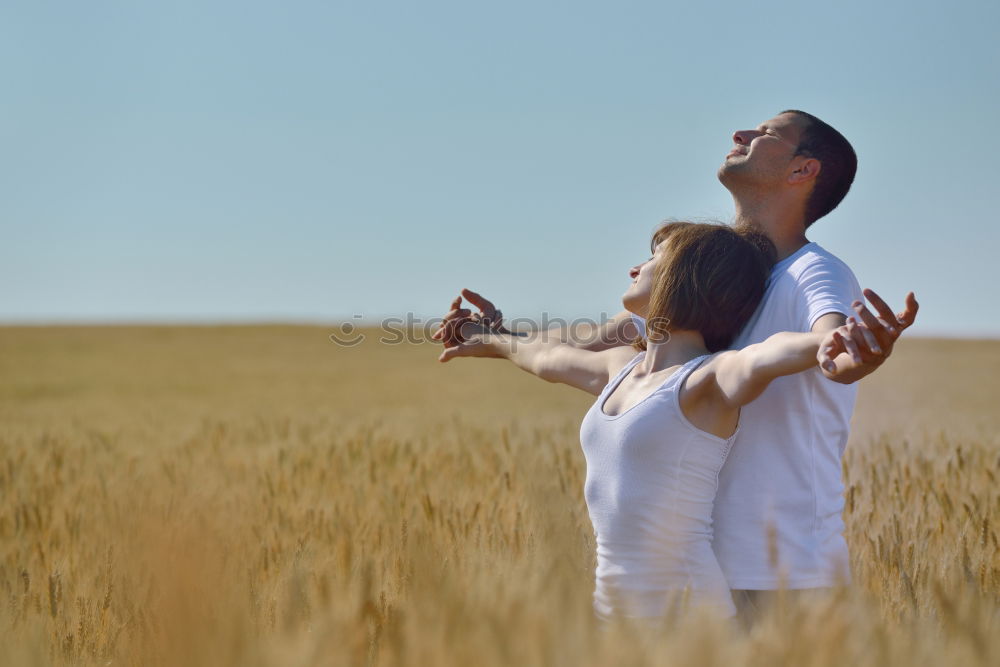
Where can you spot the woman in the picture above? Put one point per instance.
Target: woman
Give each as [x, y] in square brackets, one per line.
[667, 414]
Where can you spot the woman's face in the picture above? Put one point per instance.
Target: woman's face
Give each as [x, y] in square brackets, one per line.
[636, 297]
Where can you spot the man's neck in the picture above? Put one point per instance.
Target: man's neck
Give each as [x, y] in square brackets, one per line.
[784, 225]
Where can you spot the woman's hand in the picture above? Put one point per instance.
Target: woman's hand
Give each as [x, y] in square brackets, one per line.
[489, 316]
[468, 334]
[844, 340]
[472, 339]
[448, 331]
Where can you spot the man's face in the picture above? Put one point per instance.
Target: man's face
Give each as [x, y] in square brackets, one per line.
[763, 157]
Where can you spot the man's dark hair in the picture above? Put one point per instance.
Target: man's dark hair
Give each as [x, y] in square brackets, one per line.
[710, 280]
[838, 160]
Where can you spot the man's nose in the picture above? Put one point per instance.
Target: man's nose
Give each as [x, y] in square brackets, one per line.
[743, 137]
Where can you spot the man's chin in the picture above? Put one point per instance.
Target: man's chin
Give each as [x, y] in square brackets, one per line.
[728, 175]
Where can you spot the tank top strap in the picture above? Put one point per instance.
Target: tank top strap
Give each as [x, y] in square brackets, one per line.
[677, 379]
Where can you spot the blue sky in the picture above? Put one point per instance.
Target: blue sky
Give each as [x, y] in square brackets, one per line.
[313, 161]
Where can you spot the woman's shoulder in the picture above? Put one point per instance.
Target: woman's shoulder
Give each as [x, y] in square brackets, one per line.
[618, 358]
[702, 377]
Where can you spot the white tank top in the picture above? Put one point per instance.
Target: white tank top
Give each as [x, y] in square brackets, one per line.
[651, 483]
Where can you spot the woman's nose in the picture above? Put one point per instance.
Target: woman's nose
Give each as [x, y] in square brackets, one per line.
[634, 271]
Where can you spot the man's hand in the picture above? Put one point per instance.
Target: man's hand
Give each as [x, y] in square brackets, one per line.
[867, 340]
[876, 338]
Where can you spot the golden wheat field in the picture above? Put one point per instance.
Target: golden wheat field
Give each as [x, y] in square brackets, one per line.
[260, 496]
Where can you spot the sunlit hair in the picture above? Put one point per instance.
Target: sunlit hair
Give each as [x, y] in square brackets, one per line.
[710, 279]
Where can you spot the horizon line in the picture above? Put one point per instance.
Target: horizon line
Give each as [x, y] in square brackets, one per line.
[55, 323]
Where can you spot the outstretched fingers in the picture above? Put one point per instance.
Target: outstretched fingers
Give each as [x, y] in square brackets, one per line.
[900, 320]
[831, 351]
[883, 330]
[454, 311]
[480, 302]
[886, 328]
[867, 335]
[889, 320]
[851, 340]
[909, 315]
[451, 329]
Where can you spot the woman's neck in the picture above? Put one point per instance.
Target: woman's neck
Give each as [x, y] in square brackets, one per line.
[679, 348]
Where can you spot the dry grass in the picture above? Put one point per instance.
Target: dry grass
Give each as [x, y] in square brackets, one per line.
[259, 496]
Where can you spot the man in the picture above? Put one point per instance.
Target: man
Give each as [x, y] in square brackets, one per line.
[777, 516]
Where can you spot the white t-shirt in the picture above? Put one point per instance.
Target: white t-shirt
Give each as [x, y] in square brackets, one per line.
[777, 517]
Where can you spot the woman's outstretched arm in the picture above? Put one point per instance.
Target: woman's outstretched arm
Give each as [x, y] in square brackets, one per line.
[740, 376]
[590, 335]
[542, 355]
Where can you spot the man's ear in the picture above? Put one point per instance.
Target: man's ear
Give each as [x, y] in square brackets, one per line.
[806, 169]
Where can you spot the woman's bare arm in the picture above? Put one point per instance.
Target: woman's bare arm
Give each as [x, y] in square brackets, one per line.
[551, 360]
[617, 332]
[737, 377]
[592, 335]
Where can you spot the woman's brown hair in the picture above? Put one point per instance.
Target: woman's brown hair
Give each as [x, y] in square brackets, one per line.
[710, 279]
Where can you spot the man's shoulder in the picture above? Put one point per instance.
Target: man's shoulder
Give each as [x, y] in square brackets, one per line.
[802, 287]
[816, 255]
[813, 259]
